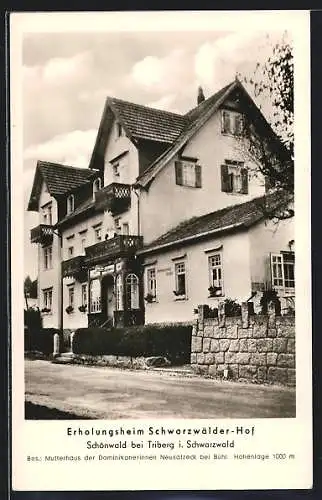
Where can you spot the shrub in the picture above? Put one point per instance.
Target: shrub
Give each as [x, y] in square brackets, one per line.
[149, 340]
[267, 297]
[232, 308]
[41, 340]
[32, 319]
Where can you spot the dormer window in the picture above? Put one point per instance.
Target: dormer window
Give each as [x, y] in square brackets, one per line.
[70, 204]
[47, 216]
[231, 122]
[96, 186]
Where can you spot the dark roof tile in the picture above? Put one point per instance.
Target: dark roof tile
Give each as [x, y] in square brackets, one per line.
[61, 179]
[149, 123]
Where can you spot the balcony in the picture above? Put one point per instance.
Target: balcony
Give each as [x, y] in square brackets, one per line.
[116, 198]
[119, 246]
[42, 234]
[75, 268]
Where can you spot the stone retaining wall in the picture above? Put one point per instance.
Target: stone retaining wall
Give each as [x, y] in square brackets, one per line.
[250, 347]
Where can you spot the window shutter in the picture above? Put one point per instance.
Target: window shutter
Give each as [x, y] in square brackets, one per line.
[226, 184]
[198, 175]
[244, 180]
[178, 167]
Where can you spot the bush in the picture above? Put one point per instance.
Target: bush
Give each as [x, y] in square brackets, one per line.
[41, 340]
[267, 297]
[32, 319]
[232, 308]
[173, 341]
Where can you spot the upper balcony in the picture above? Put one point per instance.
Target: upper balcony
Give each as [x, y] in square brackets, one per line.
[75, 268]
[42, 234]
[116, 198]
[119, 246]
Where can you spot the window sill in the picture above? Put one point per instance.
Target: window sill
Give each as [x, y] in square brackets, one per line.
[182, 297]
[215, 296]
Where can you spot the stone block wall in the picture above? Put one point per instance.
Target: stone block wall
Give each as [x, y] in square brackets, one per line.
[249, 347]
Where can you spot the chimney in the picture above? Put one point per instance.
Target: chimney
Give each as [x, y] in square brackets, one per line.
[201, 96]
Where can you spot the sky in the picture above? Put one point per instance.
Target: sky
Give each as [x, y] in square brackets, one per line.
[67, 77]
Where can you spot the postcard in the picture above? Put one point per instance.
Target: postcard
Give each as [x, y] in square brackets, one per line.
[160, 192]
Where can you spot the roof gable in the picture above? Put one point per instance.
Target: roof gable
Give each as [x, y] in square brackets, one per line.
[139, 122]
[59, 179]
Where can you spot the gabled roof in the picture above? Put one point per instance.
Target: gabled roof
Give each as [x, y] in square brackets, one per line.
[194, 121]
[139, 122]
[59, 179]
[239, 216]
[148, 123]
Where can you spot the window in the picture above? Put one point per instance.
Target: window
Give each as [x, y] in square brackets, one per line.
[119, 293]
[132, 291]
[71, 293]
[283, 271]
[83, 245]
[151, 282]
[48, 257]
[48, 298]
[117, 223]
[96, 186]
[234, 177]
[116, 170]
[231, 122]
[47, 217]
[98, 233]
[84, 295]
[215, 275]
[180, 276]
[188, 174]
[95, 296]
[70, 252]
[125, 228]
[70, 204]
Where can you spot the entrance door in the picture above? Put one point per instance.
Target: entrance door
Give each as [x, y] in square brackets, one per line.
[108, 299]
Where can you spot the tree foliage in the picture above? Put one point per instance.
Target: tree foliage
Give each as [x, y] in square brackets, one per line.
[273, 82]
[30, 287]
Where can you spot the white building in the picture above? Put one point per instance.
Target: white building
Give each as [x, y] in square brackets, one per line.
[171, 213]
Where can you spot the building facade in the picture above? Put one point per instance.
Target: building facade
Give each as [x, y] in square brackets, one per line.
[172, 212]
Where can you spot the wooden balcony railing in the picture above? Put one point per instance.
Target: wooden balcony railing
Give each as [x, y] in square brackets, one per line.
[118, 246]
[42, 234]
[75, 268]
[116, 198]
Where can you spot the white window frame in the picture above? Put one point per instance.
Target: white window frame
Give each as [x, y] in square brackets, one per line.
[132, 291]
[70, 204]
[215, 267]
[234, 169]
[179, 270]
[278, 262]
[98, 233]
[119, 293]
[125, 228]
[47, 214]
[117, 225]
[71, 295]
[48, 298]
[151, 282]
[48, 257]
[232, 120]
[84, 295]
[188, 173]
[116, 169]
[95, 306]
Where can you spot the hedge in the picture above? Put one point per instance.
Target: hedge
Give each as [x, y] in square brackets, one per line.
[41, 340]
[172, 341]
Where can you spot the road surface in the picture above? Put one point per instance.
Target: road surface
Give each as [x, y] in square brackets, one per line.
[111, 393]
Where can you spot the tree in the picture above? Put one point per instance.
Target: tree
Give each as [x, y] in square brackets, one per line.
[273, 147]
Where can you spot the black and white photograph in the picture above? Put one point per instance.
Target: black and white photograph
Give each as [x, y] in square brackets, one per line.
[160, 234]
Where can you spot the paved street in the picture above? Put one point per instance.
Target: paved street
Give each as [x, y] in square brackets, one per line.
[111, 393]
